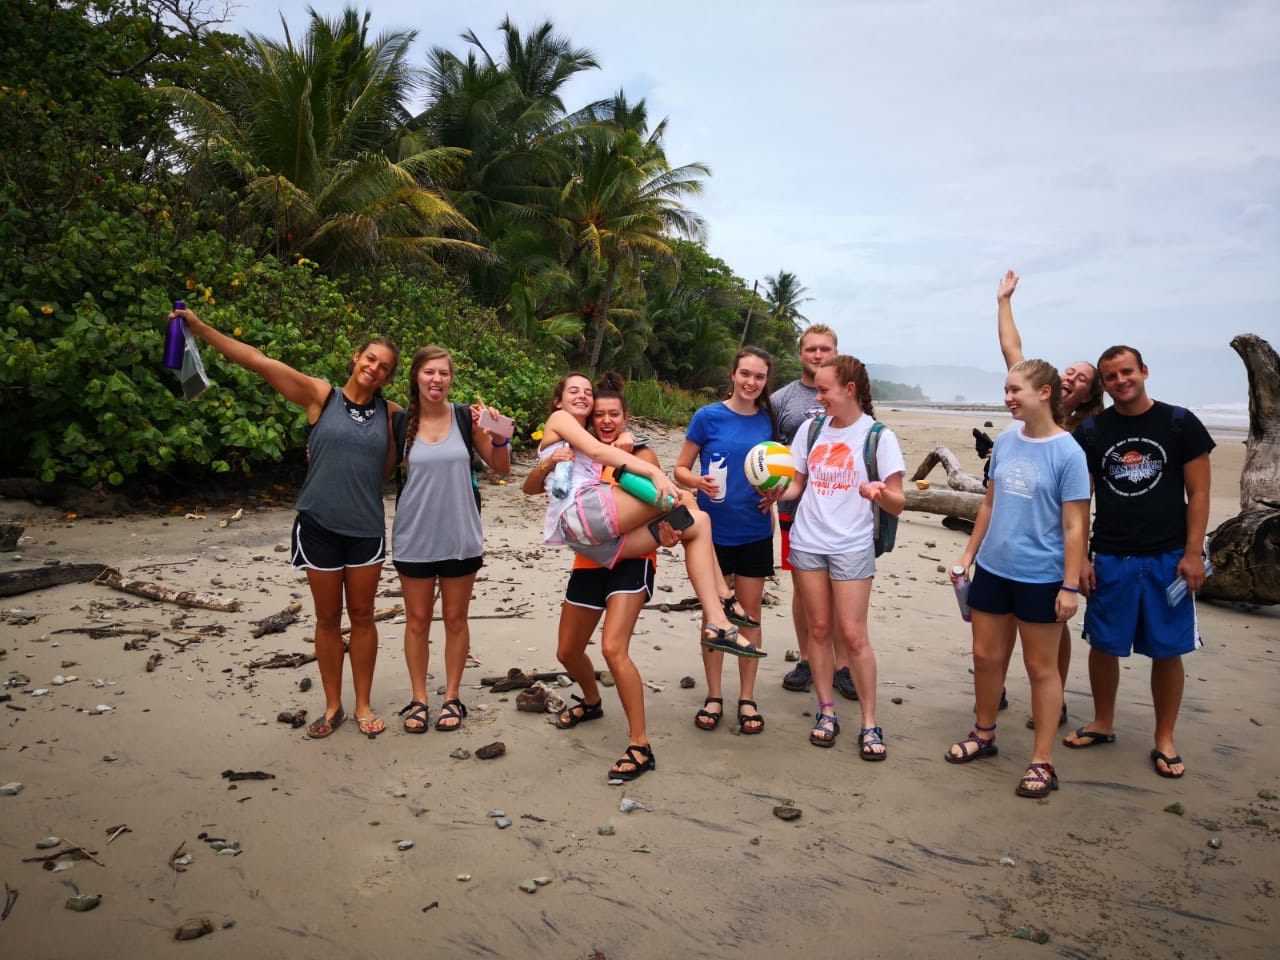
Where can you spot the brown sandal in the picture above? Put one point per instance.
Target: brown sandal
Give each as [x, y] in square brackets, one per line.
[322, 726]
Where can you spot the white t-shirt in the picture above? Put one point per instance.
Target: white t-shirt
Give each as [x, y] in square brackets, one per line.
[832, 517]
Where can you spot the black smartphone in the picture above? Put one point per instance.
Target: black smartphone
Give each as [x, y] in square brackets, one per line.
[680, 519]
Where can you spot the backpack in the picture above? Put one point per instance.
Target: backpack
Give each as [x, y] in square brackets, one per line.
[462, 417]
[884, 525]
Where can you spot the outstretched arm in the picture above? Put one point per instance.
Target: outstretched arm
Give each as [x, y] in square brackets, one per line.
[308, 392]
[1010, 340]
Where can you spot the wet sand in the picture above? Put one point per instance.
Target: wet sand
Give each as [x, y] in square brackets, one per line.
[902, 858]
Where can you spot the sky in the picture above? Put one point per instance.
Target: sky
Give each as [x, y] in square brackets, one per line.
[898, 156]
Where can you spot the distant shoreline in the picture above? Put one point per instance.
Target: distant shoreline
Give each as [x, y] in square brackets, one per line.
[1226, 424]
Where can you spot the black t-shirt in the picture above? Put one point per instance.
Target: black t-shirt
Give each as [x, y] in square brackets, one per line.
[1136, 465]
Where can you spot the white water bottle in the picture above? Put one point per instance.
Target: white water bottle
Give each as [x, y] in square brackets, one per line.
[961, 585]
[718, 470]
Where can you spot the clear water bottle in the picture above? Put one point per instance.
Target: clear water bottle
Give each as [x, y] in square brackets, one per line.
[961, 585]
[175, 339]
[561, 477]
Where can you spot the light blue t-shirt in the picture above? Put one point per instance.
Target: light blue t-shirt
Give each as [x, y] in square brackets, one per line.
[724, 438]
[1032, 479]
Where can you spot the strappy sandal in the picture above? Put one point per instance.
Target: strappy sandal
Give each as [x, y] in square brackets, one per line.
[580, 713]
[826, 729]
[755, 720]
[731, 608]
[641, 760]
[713, 719]
[869, 738]
[322, 726]
[982, 746]
[1039, 773]
[728, 641]
[418, 713]
[450, 710]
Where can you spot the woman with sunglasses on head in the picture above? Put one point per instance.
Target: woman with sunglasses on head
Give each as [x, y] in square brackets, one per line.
[339, 535]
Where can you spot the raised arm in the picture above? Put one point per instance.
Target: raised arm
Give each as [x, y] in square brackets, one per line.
[308, 392]
[1010, 340]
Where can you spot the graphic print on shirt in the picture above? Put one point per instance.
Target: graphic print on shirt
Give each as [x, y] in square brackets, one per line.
[1133, 467]
[833, 469]
[1021, 479]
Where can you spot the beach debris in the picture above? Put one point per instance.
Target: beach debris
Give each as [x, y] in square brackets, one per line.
[1175, 808]
[606, 678]
[110, 577]
[1257, 821]
[277, 622]
[791, 656]
[1266, 794]
[502, 823]
[626, 805]
[783, 812]
[153, 661]
[11, 789]
[295, 718]
[607, 830]
[113, 832]
[41, 692]
[1008, 862]
[687, 683]
[463, 877]
[304, 684]
[175, 859]
[896, 700]
[234, 775]
[494, 814]
[491, 751]
[29, 579]
[84, 902]
[1215, 843]
[101, 708]
[59, 680]
[399, 794]
[922, 484]
[1026, 933]
[655, 686]
[642, 848]
[10, 898]
[279, 660]
[234, 518]
[564, 681]
[431, 906]
[193, 928]
[528, 886]
[404, 844]
[533, 699]
[48, 843]
[1212, 825]
[460, 753]
[185, 860]
[542, 881]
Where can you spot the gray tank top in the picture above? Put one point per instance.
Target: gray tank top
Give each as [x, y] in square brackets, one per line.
[437, 518]
[343, 489]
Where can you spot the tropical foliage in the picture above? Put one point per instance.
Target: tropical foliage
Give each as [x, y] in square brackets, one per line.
[288, 189]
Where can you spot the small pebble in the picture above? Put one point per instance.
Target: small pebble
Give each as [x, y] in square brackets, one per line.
[606, 831]
[304, 684]
[1175, 808]
[542, 881]
[1008, 862]
[101, 708]
[627, 805]
[502, 823]
[229, 852]
[10, 789]
[491, 750]
[1256, 821]
[897, 700]
[460, 754]
[41, 692]
[606, 678]
[404, 845]
[399, 794]
[494, 814]
[463, 877]
[48, 843]
[786, 813]
[564, 681]
[84, 902]
[1215, 843]
[1213, 826]
[687, 683]
[1266, 794]
[528, 886]
[791, 656]
[59, 680]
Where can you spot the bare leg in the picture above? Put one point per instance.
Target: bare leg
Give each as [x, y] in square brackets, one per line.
[1040, 654]
[362, 587]
[1104, 683]
[326, 593]
[419, 595]
[577, 624]
[455, 605]
[619, 623]
[816, 592]
[1167, 680]
[851, 600]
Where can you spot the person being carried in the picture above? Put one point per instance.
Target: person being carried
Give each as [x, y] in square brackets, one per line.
[339, 535]
[1150, 467]
[594, 519]
[437, 536]
[1028, 539]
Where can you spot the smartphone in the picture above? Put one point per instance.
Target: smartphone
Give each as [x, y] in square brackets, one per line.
[498, 425]
[680, 519]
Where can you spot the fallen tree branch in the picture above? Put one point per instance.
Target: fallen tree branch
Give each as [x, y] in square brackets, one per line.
[111, 577]
[957, 477]
[15, 582]
[277, 622]
[517, 679]
[950, 503]
[278, 660]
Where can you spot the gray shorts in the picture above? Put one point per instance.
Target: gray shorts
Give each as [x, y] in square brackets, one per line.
[860, 565]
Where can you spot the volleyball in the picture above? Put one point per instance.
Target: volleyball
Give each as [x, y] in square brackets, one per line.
[770, 466]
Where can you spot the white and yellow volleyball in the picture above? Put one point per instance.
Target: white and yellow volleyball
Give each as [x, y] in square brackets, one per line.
[770, 466]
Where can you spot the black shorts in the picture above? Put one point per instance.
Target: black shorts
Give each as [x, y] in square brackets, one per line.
[747, 559]
[315, 548]
[445, 569]
[1029, 602]
[592, 588]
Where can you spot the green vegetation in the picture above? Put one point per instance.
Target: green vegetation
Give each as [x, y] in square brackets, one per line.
[287, 191]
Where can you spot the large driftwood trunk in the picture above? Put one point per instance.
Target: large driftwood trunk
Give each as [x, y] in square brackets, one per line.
[15, 582]
[1260, 479]
[951, 503]
[1246, 559]
[957, 477]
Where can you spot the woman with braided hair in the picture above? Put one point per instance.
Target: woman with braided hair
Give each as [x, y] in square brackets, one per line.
[436, 535]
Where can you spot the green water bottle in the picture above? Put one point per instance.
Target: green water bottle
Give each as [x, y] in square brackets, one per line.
[641, 487]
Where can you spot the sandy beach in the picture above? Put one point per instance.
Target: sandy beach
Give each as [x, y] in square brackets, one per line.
[909, 858]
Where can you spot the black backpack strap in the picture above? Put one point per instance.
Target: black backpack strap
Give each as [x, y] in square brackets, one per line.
[1089, 434]
[462, 416]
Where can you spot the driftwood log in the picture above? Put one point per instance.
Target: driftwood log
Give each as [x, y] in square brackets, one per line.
[10, 534]
[15, 582]
[154, 591]
[957, 477]
[277, 622]
[1245, 550]
[950, 503]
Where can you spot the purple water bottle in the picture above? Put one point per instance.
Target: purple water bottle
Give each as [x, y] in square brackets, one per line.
[961, 586]
[175, 340]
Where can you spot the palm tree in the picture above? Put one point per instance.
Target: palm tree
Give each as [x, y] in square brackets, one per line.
[308, 128]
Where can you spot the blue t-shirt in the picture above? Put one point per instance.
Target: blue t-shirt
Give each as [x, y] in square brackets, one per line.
[724, 438]
[1032, 479]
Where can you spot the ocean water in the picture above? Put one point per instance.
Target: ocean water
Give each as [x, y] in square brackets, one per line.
[1230, 417]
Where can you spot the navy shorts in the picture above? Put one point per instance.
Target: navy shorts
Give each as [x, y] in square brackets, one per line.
[316, 548]
[747, 559]
[997, 595]
[593, 587]
[445, 569]
[1128, 611]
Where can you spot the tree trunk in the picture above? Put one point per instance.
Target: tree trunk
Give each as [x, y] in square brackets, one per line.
[38, 578]
[957, 478]
[951, 503]
[602, 320]
[1246, 559]
[1260, 479]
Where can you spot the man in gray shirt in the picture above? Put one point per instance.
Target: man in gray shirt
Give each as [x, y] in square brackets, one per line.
[794, 404]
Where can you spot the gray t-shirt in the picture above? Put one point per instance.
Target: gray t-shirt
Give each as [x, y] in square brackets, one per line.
[794, 404]
[343, 489]
[437, 517]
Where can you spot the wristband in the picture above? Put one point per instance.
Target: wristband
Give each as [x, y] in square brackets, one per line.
[1070, 589]
[504, 443]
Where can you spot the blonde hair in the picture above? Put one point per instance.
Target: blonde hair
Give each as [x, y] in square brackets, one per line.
[1039, 374]
[821, 330]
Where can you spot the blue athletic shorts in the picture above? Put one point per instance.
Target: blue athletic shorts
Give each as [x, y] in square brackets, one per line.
[1029, 602]
[1128, 611]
